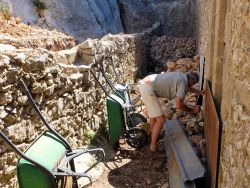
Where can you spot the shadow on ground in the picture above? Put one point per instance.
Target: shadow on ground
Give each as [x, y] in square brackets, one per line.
[127, 167]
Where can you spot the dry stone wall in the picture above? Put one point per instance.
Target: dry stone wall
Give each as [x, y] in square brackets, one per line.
[61, 85]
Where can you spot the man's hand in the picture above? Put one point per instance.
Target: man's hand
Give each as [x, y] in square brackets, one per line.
[196, 109]
[196, 91]
[203, 92]
[180, 105]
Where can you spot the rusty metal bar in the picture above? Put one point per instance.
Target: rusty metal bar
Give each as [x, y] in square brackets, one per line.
[211, 131]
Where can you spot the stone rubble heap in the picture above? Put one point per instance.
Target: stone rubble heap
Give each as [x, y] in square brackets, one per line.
[20, 35]
[166, 49]
[192, 124]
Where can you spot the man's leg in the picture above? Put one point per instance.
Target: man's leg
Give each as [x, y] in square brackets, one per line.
[155, 112]
[152, 123]
[159, 121]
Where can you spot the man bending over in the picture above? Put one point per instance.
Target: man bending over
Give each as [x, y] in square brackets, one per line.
[166, 85]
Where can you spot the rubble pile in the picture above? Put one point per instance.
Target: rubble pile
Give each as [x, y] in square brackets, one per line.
[165, 50]
[14, 32]
[192, 124]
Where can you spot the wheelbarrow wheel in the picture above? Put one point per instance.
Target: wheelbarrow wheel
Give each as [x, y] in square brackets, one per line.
[135, 119]
[136, 137]
[116, 146]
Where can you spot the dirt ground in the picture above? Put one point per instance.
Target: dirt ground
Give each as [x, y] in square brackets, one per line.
[130, 168]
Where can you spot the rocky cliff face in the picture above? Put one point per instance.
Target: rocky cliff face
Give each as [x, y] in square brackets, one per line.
[94, 18]
[177, 17]
[81, 18]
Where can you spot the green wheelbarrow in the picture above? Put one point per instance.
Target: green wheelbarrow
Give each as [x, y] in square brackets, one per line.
[118, 119]
[122, 121]
[49, 159]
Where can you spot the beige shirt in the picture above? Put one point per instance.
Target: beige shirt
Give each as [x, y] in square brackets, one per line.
[170, 84]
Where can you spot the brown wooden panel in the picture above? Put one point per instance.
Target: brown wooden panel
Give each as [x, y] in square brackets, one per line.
[211, 131]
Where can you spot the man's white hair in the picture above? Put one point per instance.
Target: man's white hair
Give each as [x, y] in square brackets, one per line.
[193, 76]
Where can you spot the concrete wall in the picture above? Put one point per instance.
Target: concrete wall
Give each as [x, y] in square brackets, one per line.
[226, 48]
[67, 95]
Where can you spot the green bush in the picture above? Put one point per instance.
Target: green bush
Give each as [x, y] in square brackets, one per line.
[39, 5]
[5, 10]
[88, 135]
[6, 14]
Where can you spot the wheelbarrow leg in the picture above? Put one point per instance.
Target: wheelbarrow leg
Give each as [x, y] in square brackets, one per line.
[74, 179]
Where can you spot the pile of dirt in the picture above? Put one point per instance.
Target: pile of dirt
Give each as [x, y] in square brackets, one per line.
[165, 48]
[14, 32]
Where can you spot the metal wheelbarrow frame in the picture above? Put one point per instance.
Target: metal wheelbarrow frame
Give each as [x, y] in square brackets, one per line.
[123, 92]
[119, 113]
[124, 89]
[33, 172]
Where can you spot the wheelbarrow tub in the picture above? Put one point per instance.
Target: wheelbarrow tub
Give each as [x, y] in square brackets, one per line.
[47, 150]
[116, 121]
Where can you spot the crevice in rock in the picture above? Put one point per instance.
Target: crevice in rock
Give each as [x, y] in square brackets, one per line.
[95, 16]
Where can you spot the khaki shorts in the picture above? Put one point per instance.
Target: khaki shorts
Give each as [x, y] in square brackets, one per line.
[150, 100]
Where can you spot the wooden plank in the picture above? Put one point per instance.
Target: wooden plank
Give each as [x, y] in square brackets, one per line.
[211, 130]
